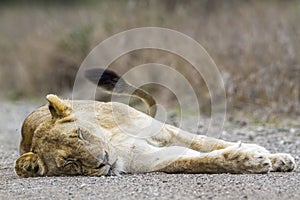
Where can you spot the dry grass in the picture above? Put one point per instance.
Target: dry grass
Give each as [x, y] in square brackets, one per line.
[254, 43]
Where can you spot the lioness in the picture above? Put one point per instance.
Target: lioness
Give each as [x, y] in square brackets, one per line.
[94, 138]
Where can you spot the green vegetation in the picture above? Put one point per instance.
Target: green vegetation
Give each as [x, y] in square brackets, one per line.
[254, 43]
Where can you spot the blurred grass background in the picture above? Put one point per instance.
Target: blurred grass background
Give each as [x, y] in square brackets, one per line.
[255, 44]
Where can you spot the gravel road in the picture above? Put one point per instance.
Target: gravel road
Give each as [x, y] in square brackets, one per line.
[152, 185]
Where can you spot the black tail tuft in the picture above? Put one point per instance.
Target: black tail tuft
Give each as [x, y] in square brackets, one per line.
[104, 78]
[108, 80]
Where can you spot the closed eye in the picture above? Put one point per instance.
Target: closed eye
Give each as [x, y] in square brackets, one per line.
[72, 167]
[69, 162]
[72, 163]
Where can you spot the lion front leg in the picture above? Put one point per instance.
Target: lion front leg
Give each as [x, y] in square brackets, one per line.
[233, 159]
[282, 162]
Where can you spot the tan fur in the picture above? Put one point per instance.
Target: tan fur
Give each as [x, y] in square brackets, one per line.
[95, 138]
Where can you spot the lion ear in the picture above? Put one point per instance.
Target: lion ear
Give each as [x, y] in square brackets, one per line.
[58, 108]
[29, 165]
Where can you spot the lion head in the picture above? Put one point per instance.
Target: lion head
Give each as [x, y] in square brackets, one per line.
[68, 142]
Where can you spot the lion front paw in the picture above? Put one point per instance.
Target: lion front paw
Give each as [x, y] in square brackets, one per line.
[282, 162]
[247, 160]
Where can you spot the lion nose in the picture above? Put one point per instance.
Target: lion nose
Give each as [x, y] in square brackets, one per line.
[104, 161]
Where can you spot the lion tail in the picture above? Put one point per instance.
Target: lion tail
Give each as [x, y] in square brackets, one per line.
[111, 82]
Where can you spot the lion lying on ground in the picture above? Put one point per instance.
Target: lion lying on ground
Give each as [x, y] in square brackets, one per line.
[95, 138]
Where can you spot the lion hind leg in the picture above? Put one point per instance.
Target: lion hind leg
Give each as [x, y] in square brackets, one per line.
[199, 143]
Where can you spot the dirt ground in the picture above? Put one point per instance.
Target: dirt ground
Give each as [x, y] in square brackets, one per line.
[152, 185]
